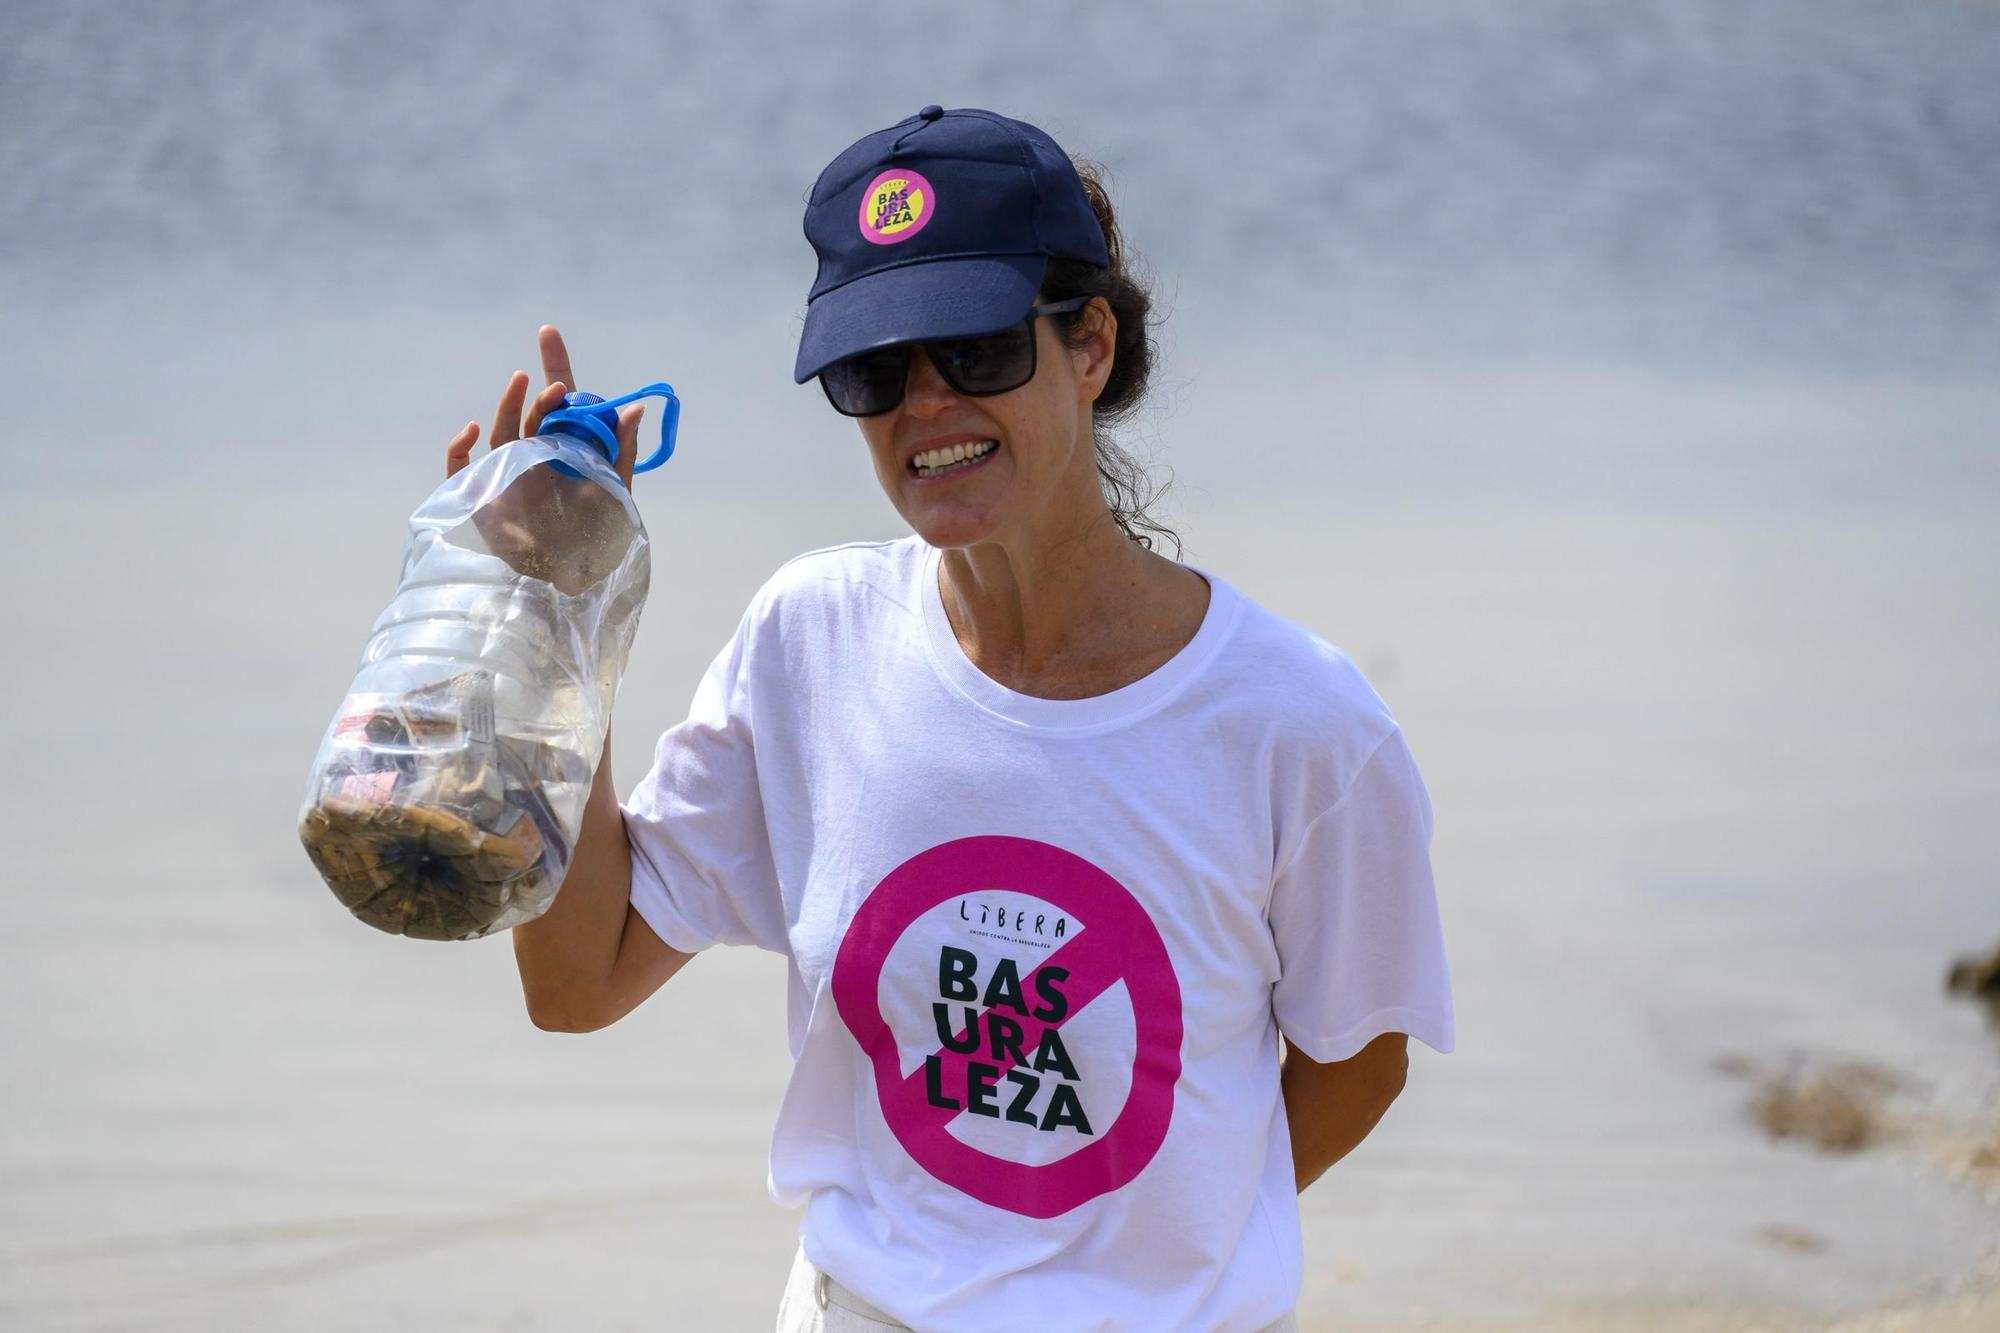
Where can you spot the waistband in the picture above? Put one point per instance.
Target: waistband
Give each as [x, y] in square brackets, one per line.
[827, 1290]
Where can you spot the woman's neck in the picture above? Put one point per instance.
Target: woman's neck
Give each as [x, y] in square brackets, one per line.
[1080, 615]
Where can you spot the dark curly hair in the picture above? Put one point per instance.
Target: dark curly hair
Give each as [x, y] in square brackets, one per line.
[1128, 488]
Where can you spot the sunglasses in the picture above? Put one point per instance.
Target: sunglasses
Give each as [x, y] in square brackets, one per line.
[870, 383]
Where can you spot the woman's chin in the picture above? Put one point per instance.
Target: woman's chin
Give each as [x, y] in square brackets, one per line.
[944, 529]
[952, 520]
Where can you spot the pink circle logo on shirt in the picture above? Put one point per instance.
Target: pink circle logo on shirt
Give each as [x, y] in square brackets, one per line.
[896, 206]
[999, 1062]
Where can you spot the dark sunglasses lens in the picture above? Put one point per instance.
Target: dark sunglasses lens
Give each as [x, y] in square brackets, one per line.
[994, 363]
[872, 382]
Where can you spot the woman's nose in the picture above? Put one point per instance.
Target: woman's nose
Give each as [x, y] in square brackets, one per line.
[926, 394]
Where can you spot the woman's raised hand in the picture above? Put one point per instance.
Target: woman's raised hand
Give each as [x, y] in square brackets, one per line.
[511, 423]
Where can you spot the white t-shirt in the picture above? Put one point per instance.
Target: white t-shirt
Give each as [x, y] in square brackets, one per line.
[1041, 949]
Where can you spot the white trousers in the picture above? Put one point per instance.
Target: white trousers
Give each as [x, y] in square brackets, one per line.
[814, 1303]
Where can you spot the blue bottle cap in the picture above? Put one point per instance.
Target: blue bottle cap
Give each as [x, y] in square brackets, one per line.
[594, 420]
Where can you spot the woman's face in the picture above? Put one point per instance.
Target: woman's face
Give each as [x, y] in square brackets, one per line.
[1045, 464]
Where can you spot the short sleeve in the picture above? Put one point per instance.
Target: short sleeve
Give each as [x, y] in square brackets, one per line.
[702, 868]
[1354, 914]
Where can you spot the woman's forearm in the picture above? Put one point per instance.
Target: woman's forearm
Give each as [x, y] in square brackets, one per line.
[1332, 1107]
[565, 955]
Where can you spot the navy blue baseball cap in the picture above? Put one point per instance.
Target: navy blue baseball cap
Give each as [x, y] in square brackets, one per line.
[938, 227]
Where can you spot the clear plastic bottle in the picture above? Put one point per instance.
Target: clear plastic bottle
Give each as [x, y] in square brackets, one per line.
[448, 791]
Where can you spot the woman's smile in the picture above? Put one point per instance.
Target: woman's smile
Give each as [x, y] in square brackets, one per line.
[952, 460]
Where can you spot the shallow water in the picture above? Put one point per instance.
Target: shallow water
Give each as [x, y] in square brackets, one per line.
[1614, 384]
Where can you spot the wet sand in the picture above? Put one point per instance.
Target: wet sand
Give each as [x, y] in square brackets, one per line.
[1671, 868]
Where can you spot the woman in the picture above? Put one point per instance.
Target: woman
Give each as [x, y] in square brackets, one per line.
[1059, 834]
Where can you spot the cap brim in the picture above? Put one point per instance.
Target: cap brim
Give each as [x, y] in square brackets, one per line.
[939, 298]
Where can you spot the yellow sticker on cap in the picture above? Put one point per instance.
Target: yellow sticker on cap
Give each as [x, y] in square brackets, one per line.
[896, 206]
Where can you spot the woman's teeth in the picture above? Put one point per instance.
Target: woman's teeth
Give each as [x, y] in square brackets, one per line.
[933, 461]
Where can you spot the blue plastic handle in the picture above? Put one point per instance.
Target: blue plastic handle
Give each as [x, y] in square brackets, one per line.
[586, 416]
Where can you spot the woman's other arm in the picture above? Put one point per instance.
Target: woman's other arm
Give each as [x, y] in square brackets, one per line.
[1332, 1107]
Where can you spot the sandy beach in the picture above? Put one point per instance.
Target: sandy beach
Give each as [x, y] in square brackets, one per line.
[231, 1105]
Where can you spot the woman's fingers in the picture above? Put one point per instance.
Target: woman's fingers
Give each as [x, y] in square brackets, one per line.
[459, 452]
[518, 416]
[628, 440]
[507, 417]
[555, 356]
[547, 401]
